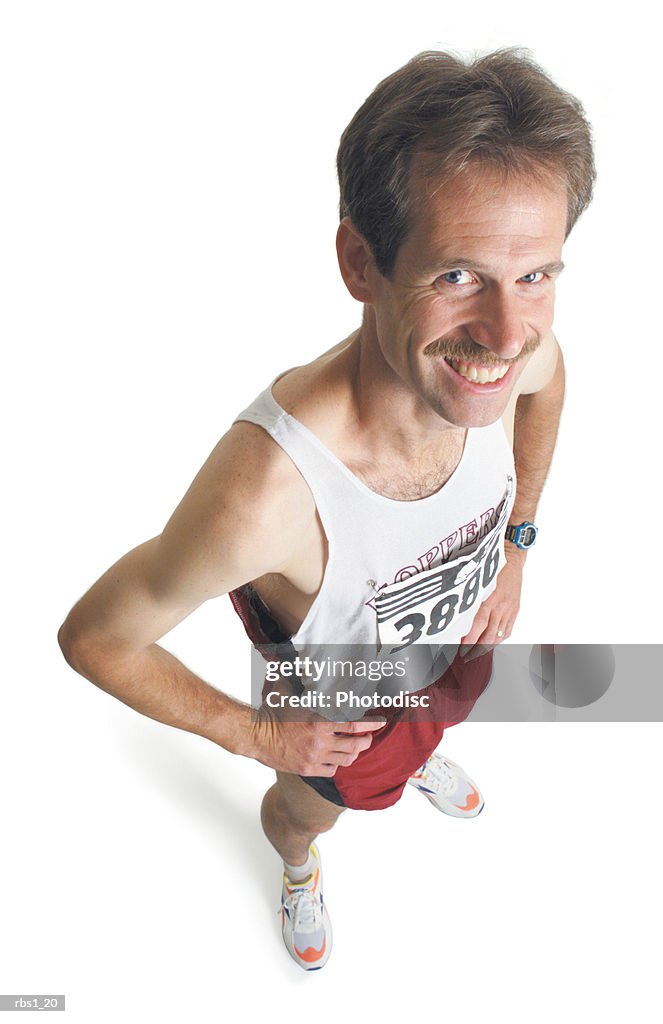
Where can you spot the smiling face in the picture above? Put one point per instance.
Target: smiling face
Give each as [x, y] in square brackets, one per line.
[472, 291]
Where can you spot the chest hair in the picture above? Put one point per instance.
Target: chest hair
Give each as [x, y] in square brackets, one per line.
[412, 481]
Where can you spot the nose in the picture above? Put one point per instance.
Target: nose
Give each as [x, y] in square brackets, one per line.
[498, 324]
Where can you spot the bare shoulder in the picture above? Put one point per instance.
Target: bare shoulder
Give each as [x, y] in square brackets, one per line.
[541, 367]
[243, 515]
[538, 374]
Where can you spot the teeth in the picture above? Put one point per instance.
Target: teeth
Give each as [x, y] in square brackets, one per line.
[479, 374]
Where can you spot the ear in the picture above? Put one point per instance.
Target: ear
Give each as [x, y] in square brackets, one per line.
[355, 260]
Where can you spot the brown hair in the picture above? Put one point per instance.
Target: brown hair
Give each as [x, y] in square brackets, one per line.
[501, 109]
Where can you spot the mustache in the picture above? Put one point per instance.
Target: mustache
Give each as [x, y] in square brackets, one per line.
[466, 351]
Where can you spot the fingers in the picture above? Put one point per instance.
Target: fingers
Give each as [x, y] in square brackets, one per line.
[484, 636]
[352, 746]
[333, 759]
[479, 625]
[478, 651]
[344, 758]
[315, 747]
[342, 747]
[339, 760]
[362, 726]
[347, 744]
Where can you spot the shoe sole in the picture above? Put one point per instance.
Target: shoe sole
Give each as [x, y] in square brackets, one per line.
[462, 814]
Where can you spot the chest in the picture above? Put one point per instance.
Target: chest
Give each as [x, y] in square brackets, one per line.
[290, 594]
[410, 480]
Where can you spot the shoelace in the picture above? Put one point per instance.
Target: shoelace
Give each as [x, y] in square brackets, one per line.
[305, 908]
[437, 772]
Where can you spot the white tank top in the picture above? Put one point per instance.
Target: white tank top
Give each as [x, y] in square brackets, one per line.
[399, 572]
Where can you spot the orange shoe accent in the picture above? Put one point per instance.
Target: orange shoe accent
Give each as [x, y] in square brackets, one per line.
[471, 802]
[310, 954]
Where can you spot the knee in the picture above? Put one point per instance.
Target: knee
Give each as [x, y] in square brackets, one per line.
[272, 805]
[306, 821]
[327, 824]
[277, 811]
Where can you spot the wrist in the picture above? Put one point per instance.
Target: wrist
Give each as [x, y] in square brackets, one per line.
[520, 534]
[232, 728]
[514, 556]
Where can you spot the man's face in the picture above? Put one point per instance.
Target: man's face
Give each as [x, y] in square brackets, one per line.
[472, 291]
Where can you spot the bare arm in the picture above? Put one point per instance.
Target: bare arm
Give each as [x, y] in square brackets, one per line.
[243, 516]
[535, 434]
[537, 413]
[144, 675]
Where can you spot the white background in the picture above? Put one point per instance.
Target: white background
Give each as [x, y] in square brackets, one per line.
[169, 207]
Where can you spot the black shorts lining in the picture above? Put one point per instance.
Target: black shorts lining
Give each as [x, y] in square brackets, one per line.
[326, 787]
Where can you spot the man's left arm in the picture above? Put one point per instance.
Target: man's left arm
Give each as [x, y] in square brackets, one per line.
[537, 414]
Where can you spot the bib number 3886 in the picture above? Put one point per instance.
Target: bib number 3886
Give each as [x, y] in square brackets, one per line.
[456, 589]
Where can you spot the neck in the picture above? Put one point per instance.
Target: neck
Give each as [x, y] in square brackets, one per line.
[390, 416]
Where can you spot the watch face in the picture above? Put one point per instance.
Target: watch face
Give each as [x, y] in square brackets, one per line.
[523, 536]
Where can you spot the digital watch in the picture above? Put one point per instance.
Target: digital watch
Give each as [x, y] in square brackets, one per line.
[523, 536]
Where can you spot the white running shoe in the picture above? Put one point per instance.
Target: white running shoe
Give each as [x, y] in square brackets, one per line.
[307, 930]
[448, 787]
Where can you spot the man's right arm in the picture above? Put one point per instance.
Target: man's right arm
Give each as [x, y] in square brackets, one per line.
[243, 516]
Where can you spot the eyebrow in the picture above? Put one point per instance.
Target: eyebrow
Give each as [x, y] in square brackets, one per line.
[464, 263]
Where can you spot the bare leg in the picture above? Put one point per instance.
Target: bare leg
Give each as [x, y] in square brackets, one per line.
[293, 814]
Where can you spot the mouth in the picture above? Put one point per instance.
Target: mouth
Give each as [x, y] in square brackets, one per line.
[478, 378]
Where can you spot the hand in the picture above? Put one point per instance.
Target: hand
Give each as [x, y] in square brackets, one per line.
[312, 747]
[497, 613]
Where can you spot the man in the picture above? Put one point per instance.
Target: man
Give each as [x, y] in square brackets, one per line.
[365, 498]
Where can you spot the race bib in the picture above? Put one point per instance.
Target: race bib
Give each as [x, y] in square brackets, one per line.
[437, 606]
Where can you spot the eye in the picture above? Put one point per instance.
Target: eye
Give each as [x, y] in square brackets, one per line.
[455, 276]
[530, 278]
